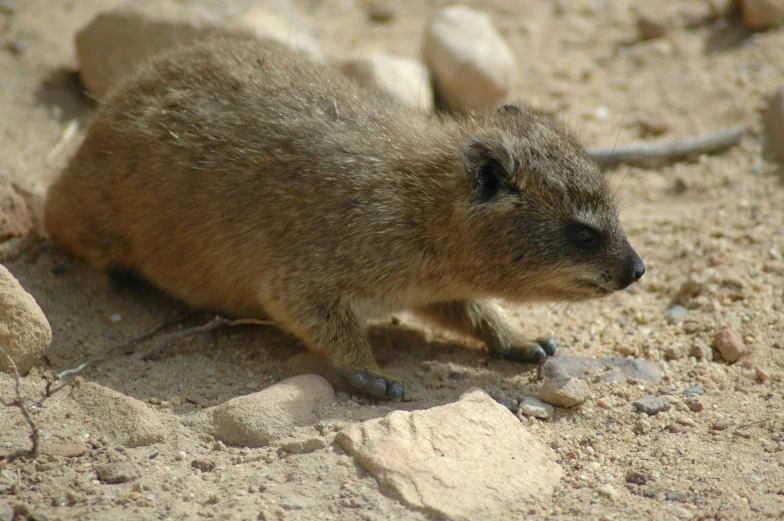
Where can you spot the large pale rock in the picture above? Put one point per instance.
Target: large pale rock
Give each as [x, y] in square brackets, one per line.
[274, 413]
[128, 421]
[468, 460]
[471, 65]
[24, 331]
[763, 14]
[404, 79]
[117, 40]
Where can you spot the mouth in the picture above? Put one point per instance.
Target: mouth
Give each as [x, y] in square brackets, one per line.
[594, 288]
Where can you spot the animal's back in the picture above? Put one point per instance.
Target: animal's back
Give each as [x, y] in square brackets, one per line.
[205, 162]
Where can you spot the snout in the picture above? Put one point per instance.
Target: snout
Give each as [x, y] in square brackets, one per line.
[633, 270]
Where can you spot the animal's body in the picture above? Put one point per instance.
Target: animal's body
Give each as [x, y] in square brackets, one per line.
[241, 178]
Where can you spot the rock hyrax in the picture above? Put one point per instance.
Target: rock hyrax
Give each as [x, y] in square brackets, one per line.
[242, 178]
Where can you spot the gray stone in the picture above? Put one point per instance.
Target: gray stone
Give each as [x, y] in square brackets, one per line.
[128, 421]
[535, 407]
[115, 473]
[116, 41]
[472, 67]
[608, 369]
[651, 405]
[24, 331]
[468, 460]
[691, 391]
[677, 311]
[564, 392]
[405, 79]
[257, 419]
[763, 14]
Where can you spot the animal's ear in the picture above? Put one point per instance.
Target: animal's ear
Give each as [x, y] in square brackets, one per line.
[490, 167]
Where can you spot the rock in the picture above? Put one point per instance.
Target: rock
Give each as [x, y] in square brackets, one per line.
[303, 445]
[655, 125]
[128, 421]
[694, 404]
[16, 216]
[694, 390]
[609, 369]
[257, 419]
[677, 495]
[6, 512]
[774, 121]
[651, 28]
[114, 473]
[651, 405]
[65, 450]
[296, 502]
[472, 67]
[203, 465]
[381, 12]
[677, 311]
[470, 459]
[636, 477]
[730, 345]
[404, 79]
[24, 331]
[641, 426]
[117, 40]
[701, 351]
[564, 392]
[763, 14]
[535, 407]
[608, 491]
[722, 424]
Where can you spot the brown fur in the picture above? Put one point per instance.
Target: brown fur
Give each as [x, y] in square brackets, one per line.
[241, 178]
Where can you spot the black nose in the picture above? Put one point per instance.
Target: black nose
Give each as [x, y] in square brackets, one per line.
[636, 268]
[634, 271]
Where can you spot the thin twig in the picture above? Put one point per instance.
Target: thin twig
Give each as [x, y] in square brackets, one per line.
[701, 144]
[752, 423]
[137, 338]
[212, 325]
[20, 402]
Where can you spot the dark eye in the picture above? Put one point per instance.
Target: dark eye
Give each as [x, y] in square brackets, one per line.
[582, 236]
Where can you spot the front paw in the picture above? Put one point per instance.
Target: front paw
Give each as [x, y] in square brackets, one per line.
[531, 351]
[379, 385]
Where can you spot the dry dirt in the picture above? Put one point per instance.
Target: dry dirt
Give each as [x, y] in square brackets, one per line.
[716, 221]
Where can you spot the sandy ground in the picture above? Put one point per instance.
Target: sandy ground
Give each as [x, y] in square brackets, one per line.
[713, 220]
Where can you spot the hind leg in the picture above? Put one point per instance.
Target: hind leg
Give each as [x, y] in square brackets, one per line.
[484, 321]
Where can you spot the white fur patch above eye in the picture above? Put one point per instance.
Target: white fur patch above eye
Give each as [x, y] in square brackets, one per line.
[589, 218]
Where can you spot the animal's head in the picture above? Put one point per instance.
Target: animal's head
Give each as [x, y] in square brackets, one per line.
[540, 213]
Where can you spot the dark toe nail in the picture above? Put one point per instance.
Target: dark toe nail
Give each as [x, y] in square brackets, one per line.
[377, 387]
[538, 354]
[549, 345]
[395, 390]
[358, 379]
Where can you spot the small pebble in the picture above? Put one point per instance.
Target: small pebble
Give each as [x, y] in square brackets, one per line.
[564, 392]
[180, 456]
[203, 465]
[722, 424]
[762, 375]
[608, 491]
[729, 345]
[175, 400]
[693, 390]
[116, 317]
[114, 473]
[651, 405]
[636, 477]
[535, 407]
[651, 28]
[677, 311]
[676, 428]
[694, 404]
[381, 12]
[642, 426]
